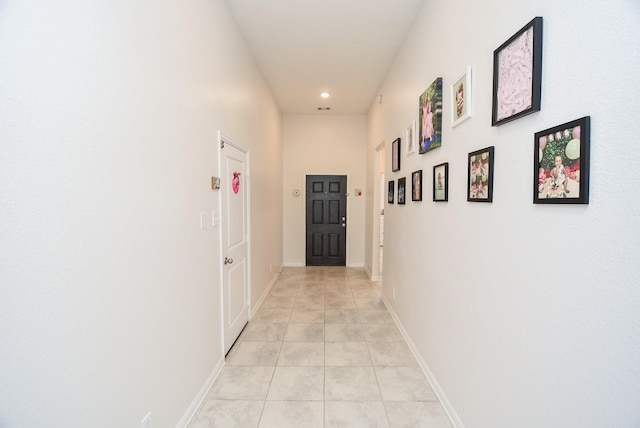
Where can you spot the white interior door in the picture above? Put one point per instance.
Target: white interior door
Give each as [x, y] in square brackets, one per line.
[234, 186]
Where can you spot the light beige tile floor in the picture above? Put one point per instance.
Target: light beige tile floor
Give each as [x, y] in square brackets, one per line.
[322, 351]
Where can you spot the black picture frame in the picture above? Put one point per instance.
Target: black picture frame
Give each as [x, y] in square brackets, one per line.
[520, 56]
[395, 155]
[416, 185]
[441, 182]
[561, 163]
[390, 192]
[402, 190]
[480, 175]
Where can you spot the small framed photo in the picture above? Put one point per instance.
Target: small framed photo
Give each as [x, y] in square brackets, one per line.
[461, 99]
[411, 138]
[441, 182]
[402, 185]
[390, 192]
[517, 74]
[480, 175]
[416, 185]
[395, 155]
[430, 115]
[215, 183]
[561, 163]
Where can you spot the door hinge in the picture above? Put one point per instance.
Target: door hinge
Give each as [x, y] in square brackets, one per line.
[221, 144]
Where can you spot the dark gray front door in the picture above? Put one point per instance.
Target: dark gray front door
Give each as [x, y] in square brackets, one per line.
[326, 214]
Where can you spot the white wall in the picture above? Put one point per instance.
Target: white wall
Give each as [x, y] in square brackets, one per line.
[323, 145]
[109, 289]
[525, 315]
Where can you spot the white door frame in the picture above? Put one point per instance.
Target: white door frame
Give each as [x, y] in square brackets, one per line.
[379, 168]
[303, 243]
[247, 188]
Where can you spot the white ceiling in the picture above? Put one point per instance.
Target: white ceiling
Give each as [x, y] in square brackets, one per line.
[344, 47]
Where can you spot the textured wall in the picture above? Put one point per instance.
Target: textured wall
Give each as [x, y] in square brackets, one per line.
[109, 289]
[323, 145]
[525, 315]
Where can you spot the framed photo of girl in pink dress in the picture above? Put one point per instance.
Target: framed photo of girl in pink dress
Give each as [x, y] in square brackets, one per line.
[517, 74]
[430, 112]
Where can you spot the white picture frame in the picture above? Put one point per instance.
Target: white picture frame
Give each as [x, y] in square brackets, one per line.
[410, 146]
[462, 98]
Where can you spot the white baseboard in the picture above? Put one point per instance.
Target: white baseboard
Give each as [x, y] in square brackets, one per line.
[202, 394]
[266, 292]
[293, 264]
[370, 275]
[451, 413]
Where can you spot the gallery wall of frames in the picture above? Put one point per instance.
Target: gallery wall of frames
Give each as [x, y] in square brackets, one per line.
[560, 154]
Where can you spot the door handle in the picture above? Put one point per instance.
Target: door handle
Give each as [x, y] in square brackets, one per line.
[228, 261]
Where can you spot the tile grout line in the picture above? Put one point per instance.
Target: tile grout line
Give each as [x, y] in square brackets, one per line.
[273, 374]
[329, 285]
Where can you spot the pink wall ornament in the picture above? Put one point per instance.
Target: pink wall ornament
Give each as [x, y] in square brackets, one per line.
[235, 182]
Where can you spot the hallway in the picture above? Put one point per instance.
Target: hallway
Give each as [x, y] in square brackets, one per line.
[322, 351]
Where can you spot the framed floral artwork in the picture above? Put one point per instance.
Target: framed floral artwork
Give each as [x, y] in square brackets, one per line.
[517, 74]
[390, 192]
[480, 175]
[561, 163]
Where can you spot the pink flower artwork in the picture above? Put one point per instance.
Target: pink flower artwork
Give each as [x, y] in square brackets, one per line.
[515, 84]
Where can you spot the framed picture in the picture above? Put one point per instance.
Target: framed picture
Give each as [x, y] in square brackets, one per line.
[395, 155]
[561, 164]
[402, 185]
[411, 138]
[461, 98]
[430, 113]
[215, 183]
[441, 182]
[480, 176]
[517, 74]
[390, 192]
[416, 185]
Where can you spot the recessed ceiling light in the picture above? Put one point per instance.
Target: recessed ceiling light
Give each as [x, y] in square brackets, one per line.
[324, 94]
